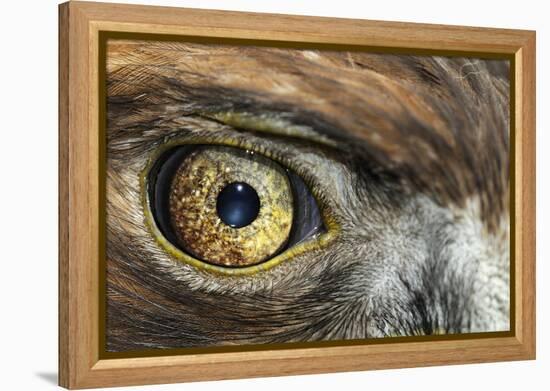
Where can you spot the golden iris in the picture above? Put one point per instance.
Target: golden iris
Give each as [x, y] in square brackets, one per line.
[194, 206]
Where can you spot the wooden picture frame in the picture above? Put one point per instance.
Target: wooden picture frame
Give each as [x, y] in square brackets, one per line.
[81, 364]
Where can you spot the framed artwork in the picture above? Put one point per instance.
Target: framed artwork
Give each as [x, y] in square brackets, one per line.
[251, 195]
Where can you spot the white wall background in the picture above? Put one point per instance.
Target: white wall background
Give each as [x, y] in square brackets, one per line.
[28, 194]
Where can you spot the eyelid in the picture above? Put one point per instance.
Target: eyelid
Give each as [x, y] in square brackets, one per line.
[329, 220]
[268, 123]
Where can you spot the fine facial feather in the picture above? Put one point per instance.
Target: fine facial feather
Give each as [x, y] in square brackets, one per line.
[410, 152]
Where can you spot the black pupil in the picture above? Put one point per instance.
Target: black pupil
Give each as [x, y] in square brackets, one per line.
[238, 204]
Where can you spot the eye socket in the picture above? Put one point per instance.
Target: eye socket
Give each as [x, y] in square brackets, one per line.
[229, 208]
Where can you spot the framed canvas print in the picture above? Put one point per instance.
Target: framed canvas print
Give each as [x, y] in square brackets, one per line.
[251, 195]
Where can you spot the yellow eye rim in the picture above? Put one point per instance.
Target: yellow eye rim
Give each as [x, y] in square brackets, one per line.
[332, 226]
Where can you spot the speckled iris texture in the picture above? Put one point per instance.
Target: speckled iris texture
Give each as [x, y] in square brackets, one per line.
[193, 195]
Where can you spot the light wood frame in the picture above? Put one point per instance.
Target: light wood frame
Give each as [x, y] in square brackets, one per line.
[80, 24]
